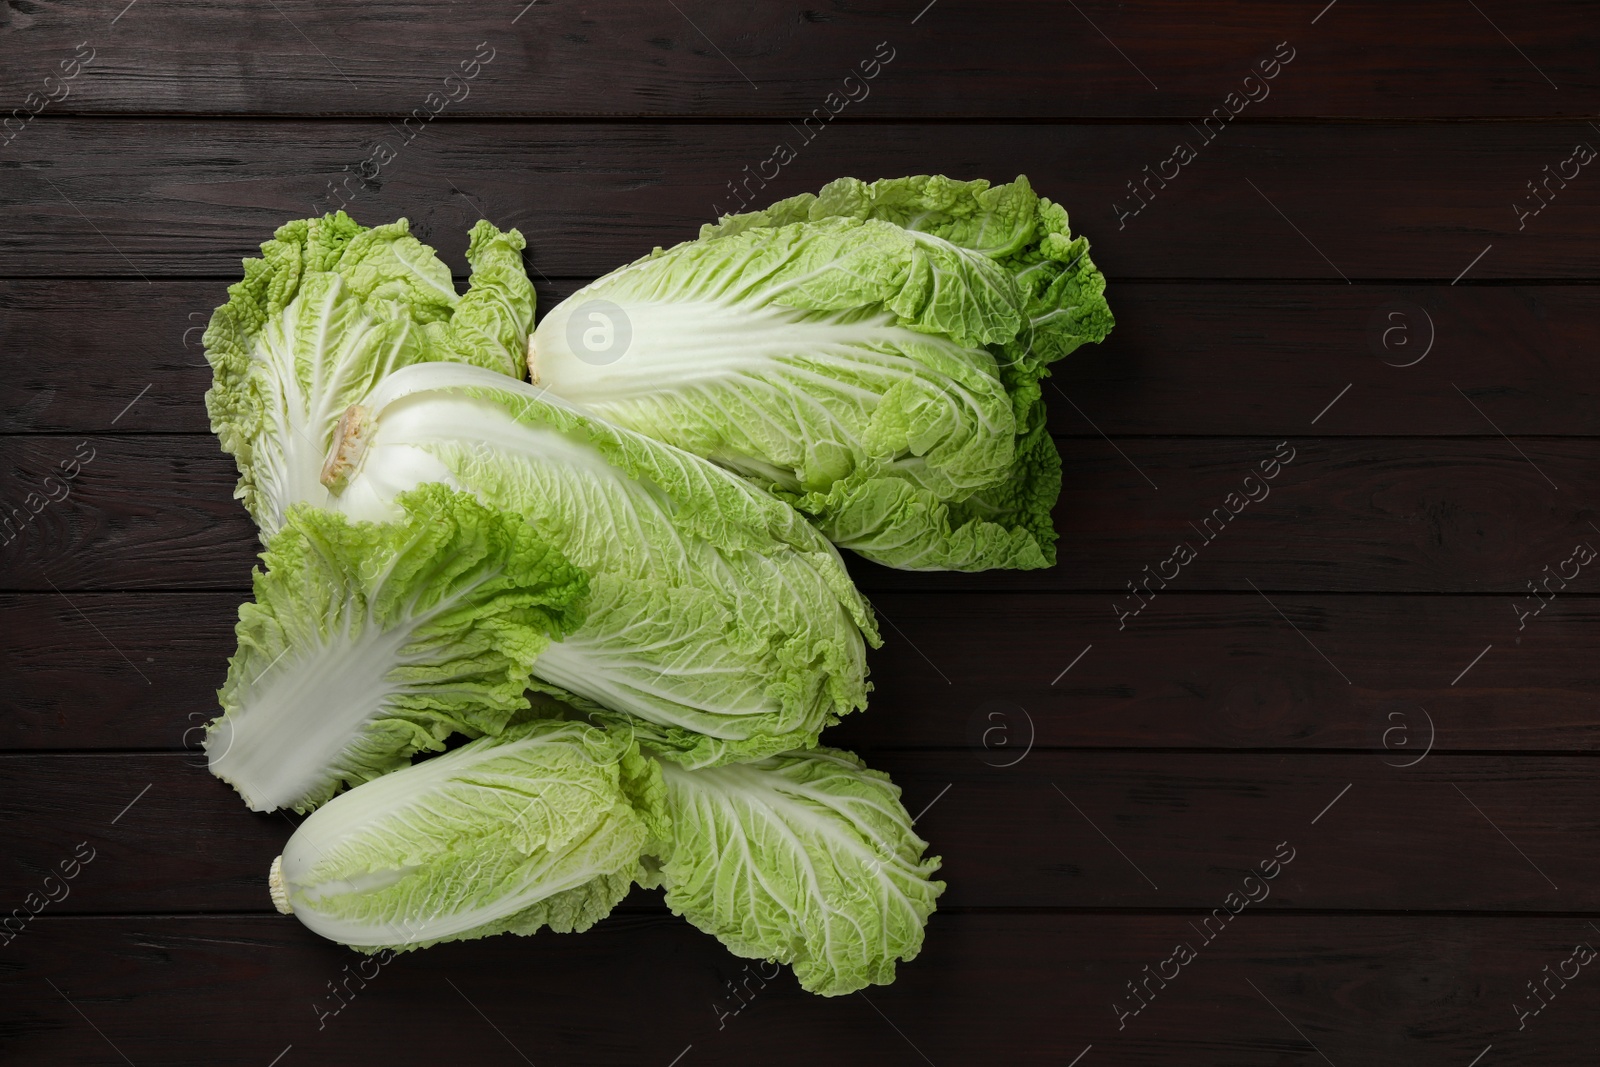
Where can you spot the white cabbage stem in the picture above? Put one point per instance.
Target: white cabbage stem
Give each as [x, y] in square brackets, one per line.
[279, 891]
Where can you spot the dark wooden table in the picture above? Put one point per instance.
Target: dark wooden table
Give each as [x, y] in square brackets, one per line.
[1362, 671]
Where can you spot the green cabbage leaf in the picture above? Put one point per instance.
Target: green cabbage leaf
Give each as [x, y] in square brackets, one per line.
[367, 643]
[806, 858]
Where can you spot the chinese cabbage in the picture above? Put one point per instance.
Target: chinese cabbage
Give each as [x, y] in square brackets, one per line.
[367, 643]
[807, 858]
[713, 607]
[541, 826]
[872, 355]
[321, 317]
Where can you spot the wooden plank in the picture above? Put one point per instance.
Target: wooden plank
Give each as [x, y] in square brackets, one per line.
[120, 200]
[1426, 896]
[1353, 514]
[1053, 829]
[988, 988]
[86, 670]
[1267, 358]
[993, 672]
[178, 505]
[986, 672]
[1356, 514]
[1029, 59]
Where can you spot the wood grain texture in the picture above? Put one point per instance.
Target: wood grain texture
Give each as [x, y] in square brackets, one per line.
[1471, 515]
[983, 672]
[1034, 59]
[1266, 358]
[1352, 667]
[142, 200]
[1428, 991]
[1052, 830]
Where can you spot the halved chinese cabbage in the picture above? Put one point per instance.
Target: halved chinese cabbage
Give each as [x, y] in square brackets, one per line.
[329, 309]
[872, 354]
[367, 643]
